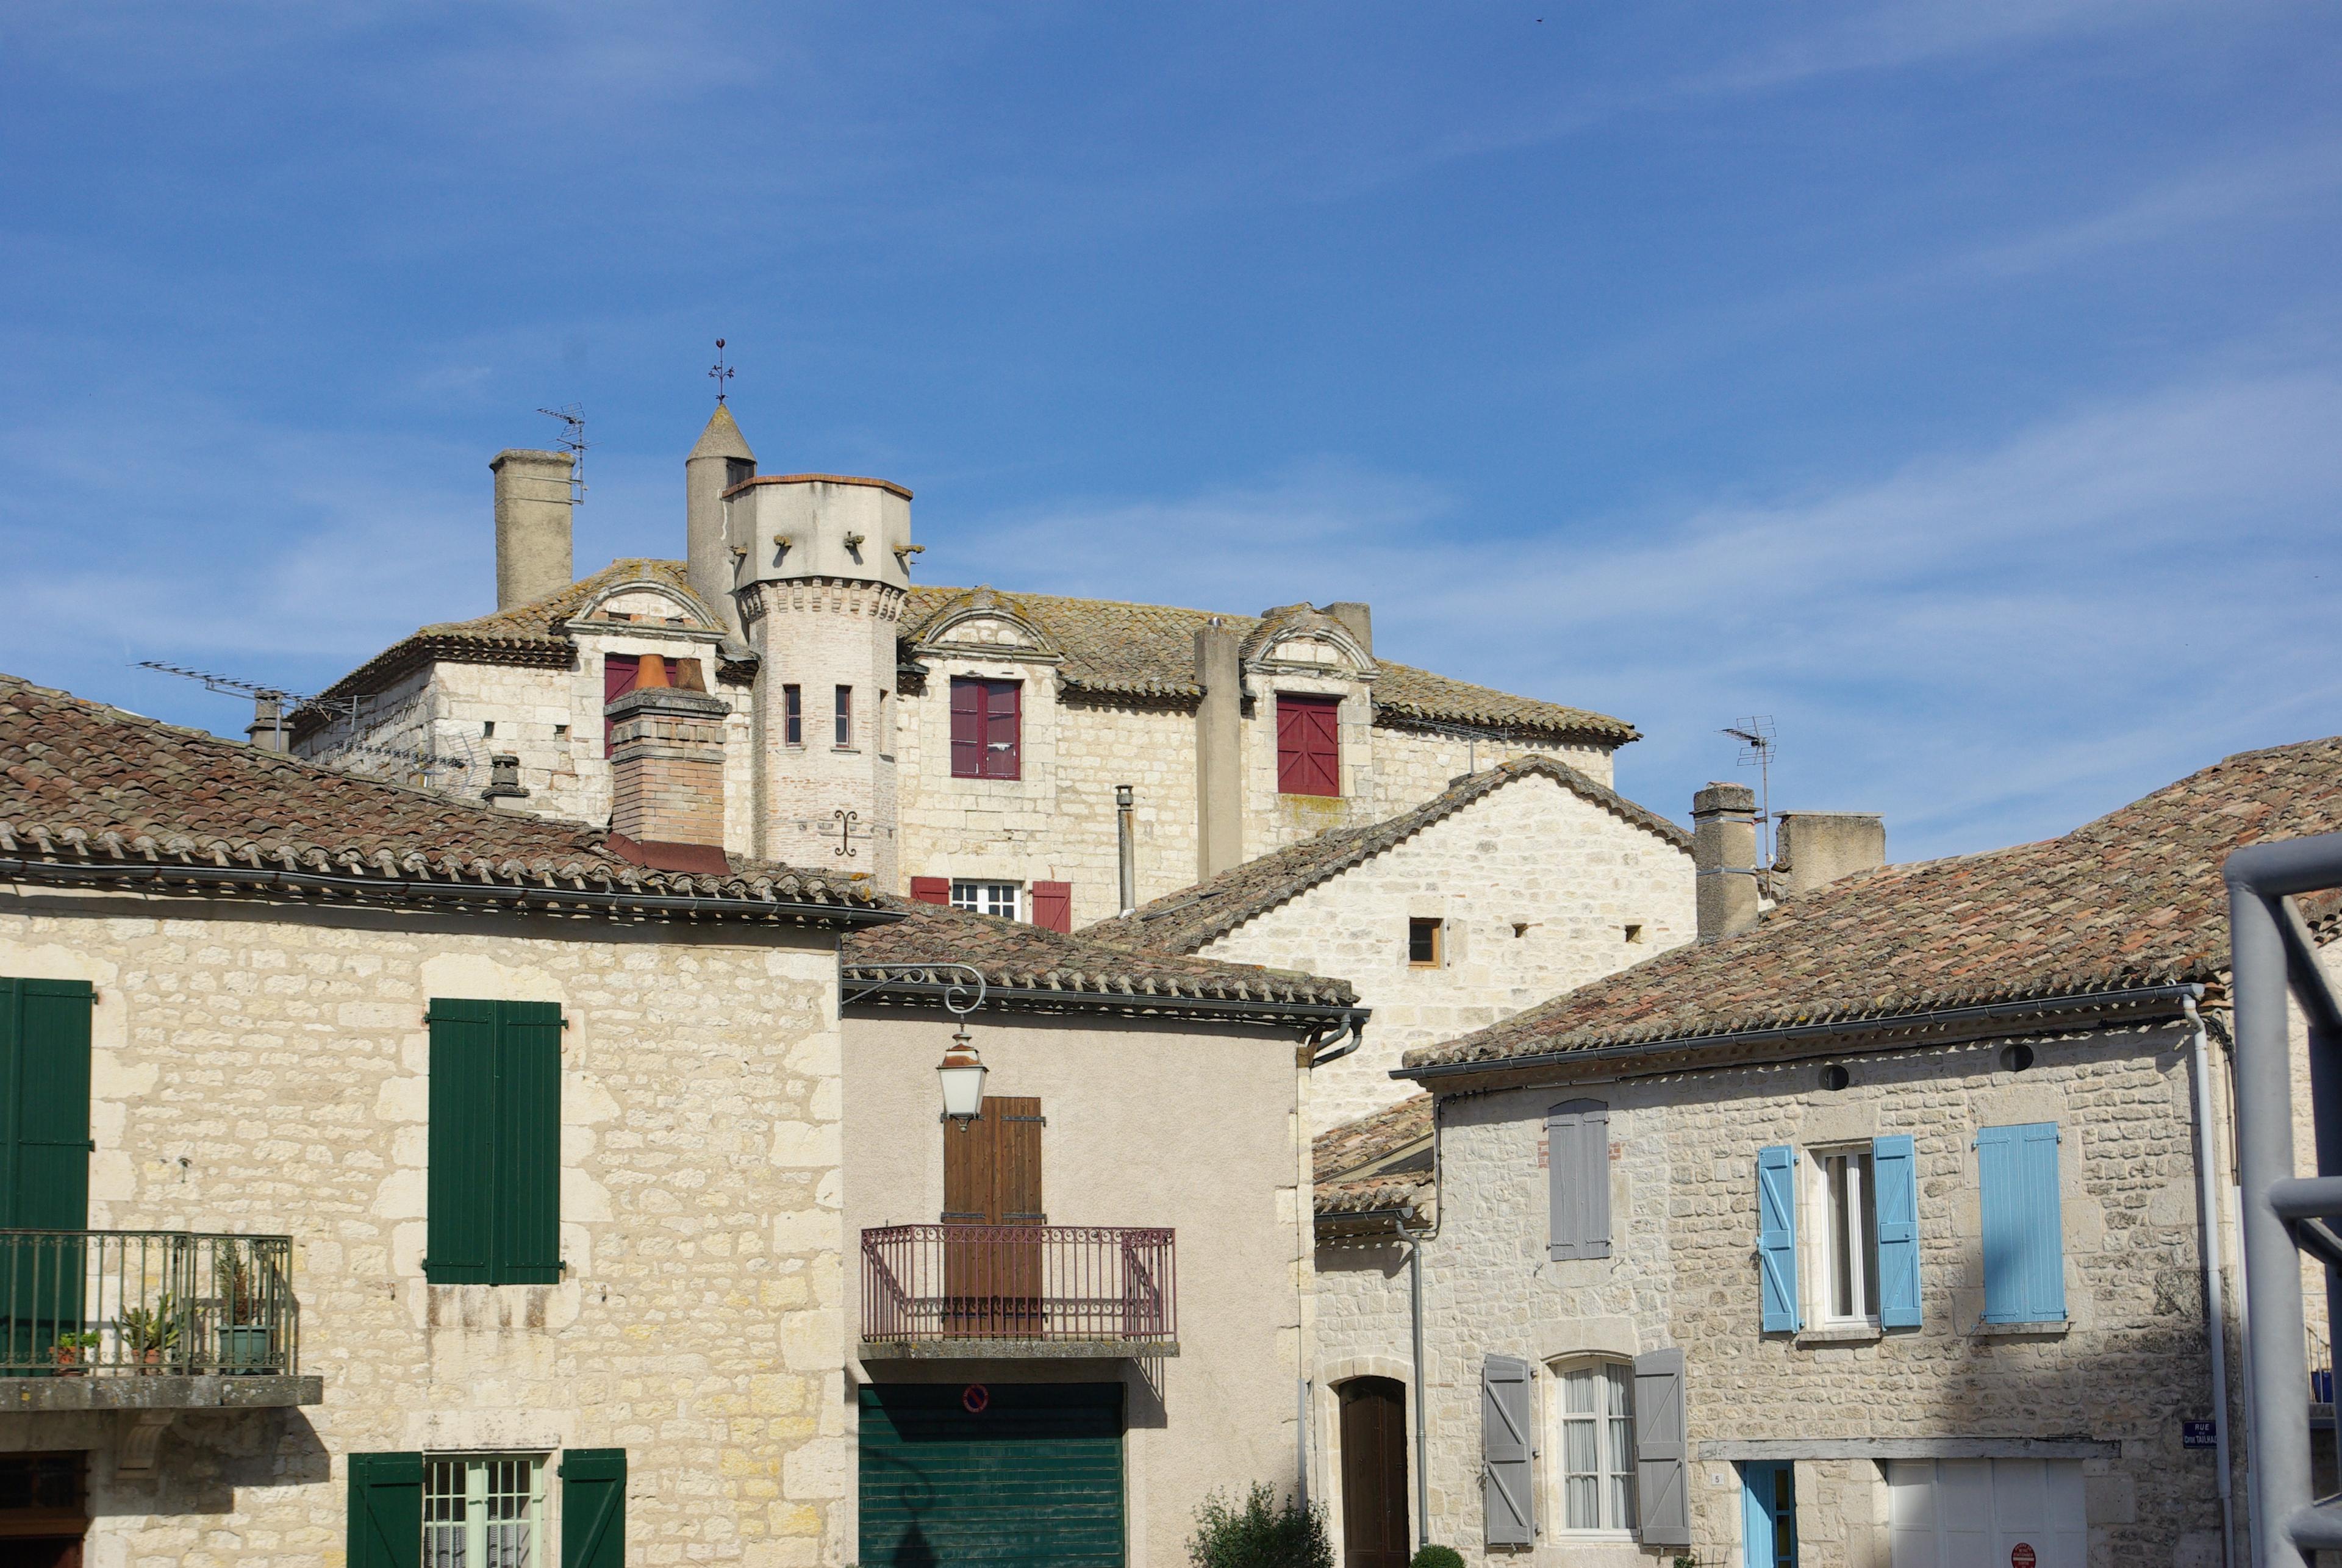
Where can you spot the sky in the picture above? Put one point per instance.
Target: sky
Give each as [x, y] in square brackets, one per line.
[1959, 386]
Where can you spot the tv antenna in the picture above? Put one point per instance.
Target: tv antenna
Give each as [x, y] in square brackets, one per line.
[1757, 748]
[572, 440]
[270, 704]
[721, 373]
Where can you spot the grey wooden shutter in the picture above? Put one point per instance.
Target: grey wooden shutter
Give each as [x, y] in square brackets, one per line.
[1507, 1489]
[1662, 1478]
[1577, 1176]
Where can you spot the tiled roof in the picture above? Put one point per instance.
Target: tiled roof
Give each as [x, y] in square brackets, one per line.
[1016, 956]
[1343, 1162]
[1149, 650]
[83, 784]
[2132, 899]
[1194, 916]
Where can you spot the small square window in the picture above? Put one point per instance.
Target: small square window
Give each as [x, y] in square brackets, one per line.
[488, 727]
[998, 898]
[560, 730]
[1634, 933]
[1425, 943]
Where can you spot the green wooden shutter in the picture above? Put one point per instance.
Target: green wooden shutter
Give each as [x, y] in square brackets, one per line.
[461, 1184]
[1777, 1236]
[45, 1040]
[1895, 1176]
[386, 1524]
[593, 1508]
[526, 1231]
[2024, 1236]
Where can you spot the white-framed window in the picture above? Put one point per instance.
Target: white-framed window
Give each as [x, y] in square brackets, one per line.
[986, 897]
[1596, 1417]
[1844, 1209]
[484, 1510]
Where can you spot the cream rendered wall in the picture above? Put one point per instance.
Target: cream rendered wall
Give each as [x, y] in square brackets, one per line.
[1536, 886]
[265, 1069]
[1127, 1103]
[2131, 1365]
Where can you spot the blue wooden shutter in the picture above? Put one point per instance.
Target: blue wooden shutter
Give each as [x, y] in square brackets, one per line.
[1777, 1236]
[1662, 1455]
[2024, 1233]
[526, 1248]
[1578, 1178]
[593, 1508]
[460, 1185]
[385, 1528]
[1893, 1167]
[1507, 1488]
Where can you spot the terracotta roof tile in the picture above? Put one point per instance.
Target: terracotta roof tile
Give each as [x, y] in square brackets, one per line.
[1375, 1164]
[2134, 899]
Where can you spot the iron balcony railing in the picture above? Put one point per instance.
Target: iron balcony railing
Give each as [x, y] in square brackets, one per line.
[1038, 1283]
[116, 1302]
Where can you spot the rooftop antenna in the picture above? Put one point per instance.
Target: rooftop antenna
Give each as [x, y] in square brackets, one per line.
[284, 702]
[572, 440]
[1758, 747]
[721, 373]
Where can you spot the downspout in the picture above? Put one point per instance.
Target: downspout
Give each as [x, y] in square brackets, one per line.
[1414, 1240]
[1127, 848]
[2208, 1202]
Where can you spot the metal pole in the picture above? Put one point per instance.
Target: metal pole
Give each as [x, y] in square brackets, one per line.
[1422, 1482]
[2215, 1309]
[1124, 837]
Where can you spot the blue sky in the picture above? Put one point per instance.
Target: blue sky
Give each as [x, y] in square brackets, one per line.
[1960, 384]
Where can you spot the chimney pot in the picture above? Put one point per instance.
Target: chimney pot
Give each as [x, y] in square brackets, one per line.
[1723, 854]
[533, 545]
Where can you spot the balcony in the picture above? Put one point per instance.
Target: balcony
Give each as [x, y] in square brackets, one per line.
[151, 1322]
[954, 1292]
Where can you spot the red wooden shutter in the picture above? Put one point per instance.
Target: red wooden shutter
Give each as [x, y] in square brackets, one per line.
[931, 889]
[1053, 906]
[968, 729]
[620, 672]
[1308, 745]
[1002, 720]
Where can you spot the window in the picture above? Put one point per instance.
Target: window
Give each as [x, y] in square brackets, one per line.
[1634, 933]
[2024, 1235]
[1597, 1446]
[493, 1190]
[1423, 943]
[792, 716]
[986, 721]
[986, 897]
[485, 1511]
[1846, 1221]
[1308, 744]
[845, 717]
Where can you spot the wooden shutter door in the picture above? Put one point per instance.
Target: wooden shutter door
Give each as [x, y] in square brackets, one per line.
[1374, 1474]
[966, 729]
[526, 1232]
[991, 1178]
[385, 1528]
[460, 1182]
[1507, 1487]
[1003, 725]
[44, 1155]
[1894, 1179]
[1662, 1456]
[1053, 906]
[2024, 1241]
[931, 889]
[1777, 1236]
[593, 1508]
[1577, 1176]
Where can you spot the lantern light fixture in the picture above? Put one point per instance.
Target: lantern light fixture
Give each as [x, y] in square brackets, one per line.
[962, 1071]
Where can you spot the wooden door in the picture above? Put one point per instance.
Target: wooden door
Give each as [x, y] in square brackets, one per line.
[1374, 1474]
[991, 1178]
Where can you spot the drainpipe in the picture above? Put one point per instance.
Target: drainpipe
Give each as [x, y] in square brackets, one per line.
[1414, 1240]
[1124, 840]
[2208, 1201]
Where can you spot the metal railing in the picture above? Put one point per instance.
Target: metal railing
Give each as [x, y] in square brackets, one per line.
[921, 1283]
[124, 1302]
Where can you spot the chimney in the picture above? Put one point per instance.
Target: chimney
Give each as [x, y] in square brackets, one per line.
[505, 787]
[720, 461]
[666, 764]
[1723, 852]
[267, 730]
[533, 556]
[1127, 846]
[1817, 847]
[1219, 747]
[1359, 620]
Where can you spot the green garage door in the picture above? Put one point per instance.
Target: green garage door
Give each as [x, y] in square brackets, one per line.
[1032, 1475]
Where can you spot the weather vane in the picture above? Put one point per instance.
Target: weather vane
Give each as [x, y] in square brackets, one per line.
[721, 372]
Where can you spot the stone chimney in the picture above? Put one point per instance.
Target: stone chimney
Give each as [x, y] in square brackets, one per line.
[1219, 750]
[268, 730]
[1723, 852]
[666, 763]
[1818, 847]
[1359, 620]
[720, 461]
[533, 557]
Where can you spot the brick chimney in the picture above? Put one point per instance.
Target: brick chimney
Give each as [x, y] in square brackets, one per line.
[1818, 847]
[1723, 852]
[666, 764]
[533, 556]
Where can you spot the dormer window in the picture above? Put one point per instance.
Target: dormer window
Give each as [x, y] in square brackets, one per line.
[986, 721]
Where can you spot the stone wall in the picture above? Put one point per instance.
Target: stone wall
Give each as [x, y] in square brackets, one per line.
[265, 1069]
[1538, 887]
[1365, 1329]
[2128, 1368]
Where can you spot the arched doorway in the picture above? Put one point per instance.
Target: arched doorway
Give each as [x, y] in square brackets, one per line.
[1374, 1472]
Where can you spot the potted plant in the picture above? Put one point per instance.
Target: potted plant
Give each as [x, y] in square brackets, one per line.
[149, 1335]
[244, 1333]
[71, 1349]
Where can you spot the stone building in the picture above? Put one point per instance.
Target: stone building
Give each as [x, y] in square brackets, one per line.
[393, 1178]
[962, 742]
[1514, 883]
[1888, 1230]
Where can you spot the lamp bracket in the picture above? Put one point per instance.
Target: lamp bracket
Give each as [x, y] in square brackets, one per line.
[960, 998]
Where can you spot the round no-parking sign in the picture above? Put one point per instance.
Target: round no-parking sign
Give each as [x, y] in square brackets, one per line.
[2020, 1556]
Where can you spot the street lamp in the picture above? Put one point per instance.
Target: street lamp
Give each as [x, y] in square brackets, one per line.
[962, 1072]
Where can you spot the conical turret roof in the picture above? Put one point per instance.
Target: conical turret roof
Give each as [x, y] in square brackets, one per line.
[722, 438]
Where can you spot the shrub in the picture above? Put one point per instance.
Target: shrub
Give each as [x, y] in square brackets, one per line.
[1260, 1532]
[1437, 1557]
